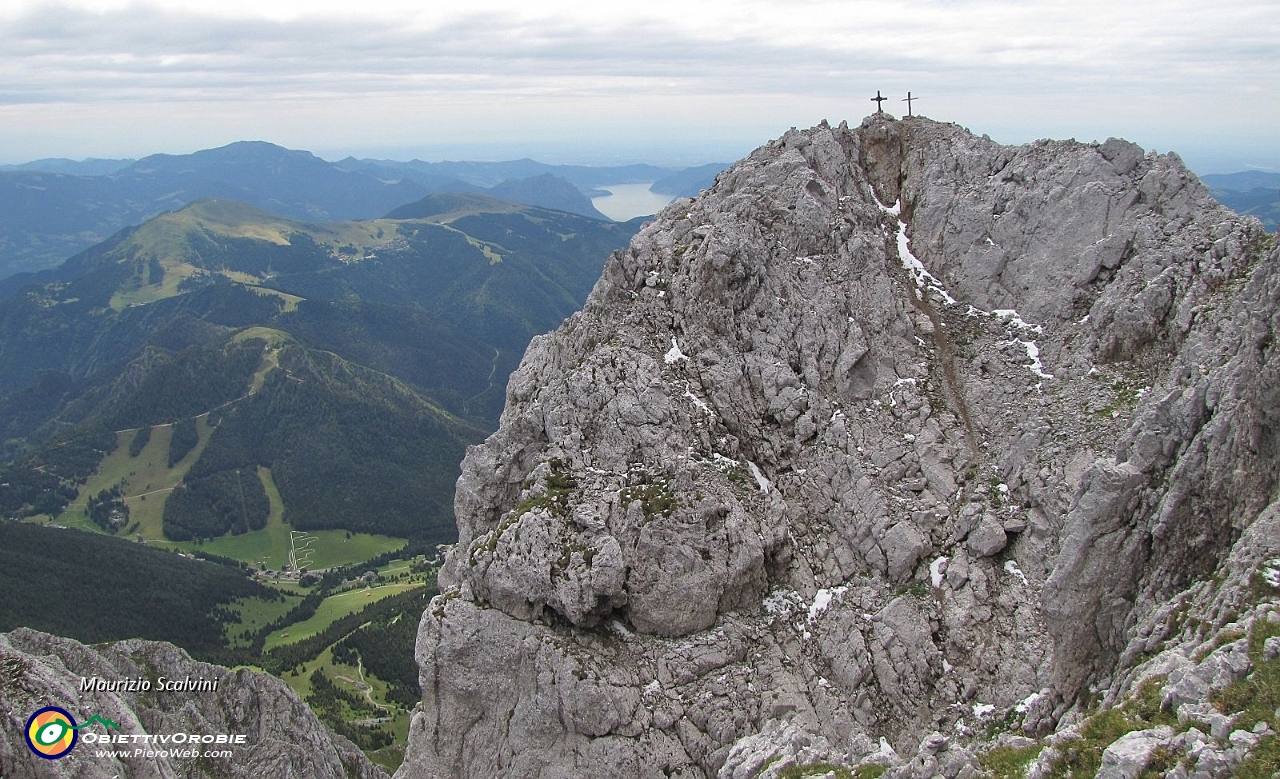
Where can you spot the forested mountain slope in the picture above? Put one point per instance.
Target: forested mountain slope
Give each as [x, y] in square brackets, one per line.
[353, 361]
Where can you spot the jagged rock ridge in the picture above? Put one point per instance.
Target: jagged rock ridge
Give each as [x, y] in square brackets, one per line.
[892, 434]
[283, 738]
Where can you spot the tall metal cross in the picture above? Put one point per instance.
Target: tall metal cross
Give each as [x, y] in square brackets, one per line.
[878, 100]
[907, 100]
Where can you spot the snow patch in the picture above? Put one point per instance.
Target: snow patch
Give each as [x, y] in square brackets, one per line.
[1033, 354]
[885, 751]
[780, 603]
[759, 477]
[697, 401]
[674, 354]
[720, 461]
[923, 278]
[1011, 568]
[822, 599]
[1025, 705]
[1016, 320]
[936, 569]
[982, 709]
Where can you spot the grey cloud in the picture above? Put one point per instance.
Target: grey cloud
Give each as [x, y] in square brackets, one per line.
[67, 58]
[951, 51]
[485, 42]
[71, 55]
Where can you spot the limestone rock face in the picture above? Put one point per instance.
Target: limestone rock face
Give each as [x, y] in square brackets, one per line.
[892, 433]
[283, 738]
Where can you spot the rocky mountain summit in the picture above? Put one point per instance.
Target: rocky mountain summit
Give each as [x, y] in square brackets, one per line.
[897, 451]
[283, 738]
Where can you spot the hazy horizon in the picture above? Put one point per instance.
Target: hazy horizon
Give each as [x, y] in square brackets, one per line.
[1202, 162]
[665, 82]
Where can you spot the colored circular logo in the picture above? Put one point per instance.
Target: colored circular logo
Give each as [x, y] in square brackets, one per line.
[51, 732]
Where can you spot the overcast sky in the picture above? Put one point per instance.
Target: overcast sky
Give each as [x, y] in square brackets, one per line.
[676, 82]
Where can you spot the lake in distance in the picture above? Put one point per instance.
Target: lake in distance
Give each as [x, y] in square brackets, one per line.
[627, 201]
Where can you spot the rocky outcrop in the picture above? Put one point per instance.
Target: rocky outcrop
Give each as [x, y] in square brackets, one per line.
[893, 438]
[282, 737]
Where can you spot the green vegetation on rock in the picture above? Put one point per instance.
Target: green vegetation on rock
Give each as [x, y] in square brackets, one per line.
[1009, 762]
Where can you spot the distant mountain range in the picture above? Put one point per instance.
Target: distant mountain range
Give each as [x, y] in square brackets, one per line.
[87, 167]
[51, 209]
[1254, 192]
[490, 174]
[337, 369]
[688, 182]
